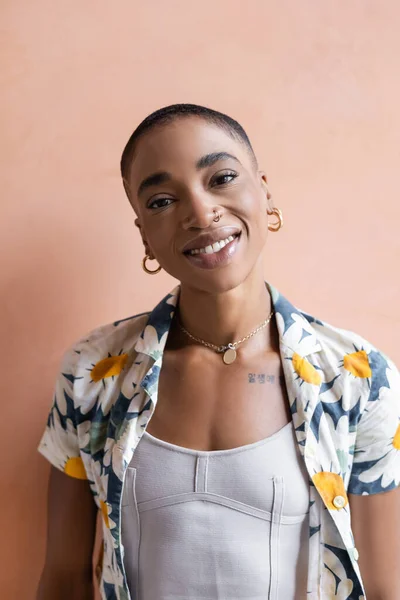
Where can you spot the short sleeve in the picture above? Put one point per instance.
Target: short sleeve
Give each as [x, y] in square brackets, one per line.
[376, 465]
[59, 443]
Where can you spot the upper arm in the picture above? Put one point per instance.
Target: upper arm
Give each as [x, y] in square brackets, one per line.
[72, 510]
[374, 494]
[61, 443]
[71, 525]
[71, 529]
[376, 527]
[376, 463]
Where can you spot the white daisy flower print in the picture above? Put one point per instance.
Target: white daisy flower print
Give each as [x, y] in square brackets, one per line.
[114, 457]
[97, 375]
[100, 480]
[130, 382]
[336, 583]
[83, 430]
[387, 467]
[60, 446]
[343, 439]
[150, 344]
[376, 465]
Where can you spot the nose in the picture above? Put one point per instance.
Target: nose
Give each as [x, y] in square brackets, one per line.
[199, 213]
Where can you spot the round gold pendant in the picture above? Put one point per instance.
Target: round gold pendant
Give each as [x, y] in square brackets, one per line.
[229, 356]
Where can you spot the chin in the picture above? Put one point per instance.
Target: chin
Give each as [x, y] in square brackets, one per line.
[218, 281]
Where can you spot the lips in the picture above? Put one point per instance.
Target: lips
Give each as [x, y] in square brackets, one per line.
[208, 239]
[215, 259]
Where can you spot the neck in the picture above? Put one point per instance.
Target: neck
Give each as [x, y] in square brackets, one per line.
[226, 317]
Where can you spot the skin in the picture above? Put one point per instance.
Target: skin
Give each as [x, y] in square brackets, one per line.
[218, 305]
[225, 304]
[376, 529]
[71, 527]
[224, 301]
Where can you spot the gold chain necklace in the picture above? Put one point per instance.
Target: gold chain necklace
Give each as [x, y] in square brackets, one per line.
[229, 351]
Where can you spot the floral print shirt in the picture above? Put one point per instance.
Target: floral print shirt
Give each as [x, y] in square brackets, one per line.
[345, 404]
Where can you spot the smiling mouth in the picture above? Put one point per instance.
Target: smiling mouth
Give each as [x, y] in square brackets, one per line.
[213, 248]
[215, 256]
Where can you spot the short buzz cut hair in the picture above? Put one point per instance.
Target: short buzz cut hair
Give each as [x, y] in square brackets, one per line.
[171, 113]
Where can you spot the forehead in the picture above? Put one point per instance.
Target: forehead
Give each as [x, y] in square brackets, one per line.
[178, 145]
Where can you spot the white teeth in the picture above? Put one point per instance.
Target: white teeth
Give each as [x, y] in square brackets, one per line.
[212, 249]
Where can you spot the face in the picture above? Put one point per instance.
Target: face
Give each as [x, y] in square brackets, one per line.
[180, 174]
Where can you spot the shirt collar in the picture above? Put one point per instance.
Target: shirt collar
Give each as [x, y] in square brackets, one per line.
[294, 326]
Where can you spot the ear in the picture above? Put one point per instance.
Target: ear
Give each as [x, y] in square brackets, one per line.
[268, 195]
[145, 243]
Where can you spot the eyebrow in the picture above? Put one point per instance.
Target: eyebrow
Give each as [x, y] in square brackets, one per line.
[208, 160]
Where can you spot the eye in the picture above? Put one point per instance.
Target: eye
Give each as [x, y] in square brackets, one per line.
[224, 178]
[160, 203]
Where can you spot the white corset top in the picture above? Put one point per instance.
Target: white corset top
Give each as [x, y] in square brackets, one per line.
[218, 525]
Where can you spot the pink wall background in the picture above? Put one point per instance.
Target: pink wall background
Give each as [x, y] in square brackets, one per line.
[316, 84]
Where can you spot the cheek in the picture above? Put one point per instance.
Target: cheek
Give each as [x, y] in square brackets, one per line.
[251, 197]
[252, 207]
[258, 218]
[159, 235]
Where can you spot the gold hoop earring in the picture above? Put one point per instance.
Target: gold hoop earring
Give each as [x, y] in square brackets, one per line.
[149, 271]
[276, 226]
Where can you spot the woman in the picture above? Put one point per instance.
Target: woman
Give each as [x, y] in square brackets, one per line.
[226, 436]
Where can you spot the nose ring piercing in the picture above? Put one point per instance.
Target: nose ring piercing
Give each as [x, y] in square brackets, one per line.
[217, 216]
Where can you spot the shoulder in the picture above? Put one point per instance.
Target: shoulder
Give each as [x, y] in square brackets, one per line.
[108, 361]
[365, 374]
[346, 343]
[94, 367]
[102, 348]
